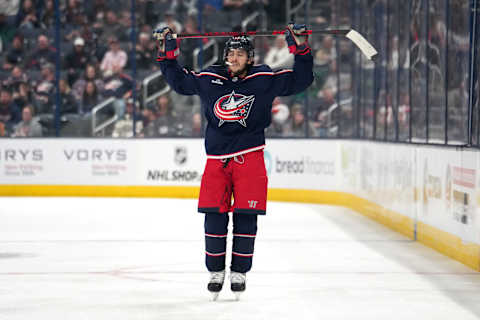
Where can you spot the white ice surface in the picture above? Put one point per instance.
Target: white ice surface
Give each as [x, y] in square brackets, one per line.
[104, 258]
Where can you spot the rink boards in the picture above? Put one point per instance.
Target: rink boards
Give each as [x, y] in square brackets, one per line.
[429, 194]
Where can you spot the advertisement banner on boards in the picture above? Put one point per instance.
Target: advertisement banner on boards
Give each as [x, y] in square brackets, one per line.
[447, 190]
[21, 161]
[302, 164]
[102, 162]
[381, 173]
[171, 162]
[64, 161]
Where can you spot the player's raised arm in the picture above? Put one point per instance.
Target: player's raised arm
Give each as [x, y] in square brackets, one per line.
[180, 79]
[287, 82]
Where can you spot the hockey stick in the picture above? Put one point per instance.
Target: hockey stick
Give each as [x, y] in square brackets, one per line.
[367, 49]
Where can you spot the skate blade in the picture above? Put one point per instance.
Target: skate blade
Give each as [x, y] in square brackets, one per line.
[237, 295]
[214, 296]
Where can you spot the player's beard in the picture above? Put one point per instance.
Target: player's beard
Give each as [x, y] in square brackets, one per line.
[241, 72]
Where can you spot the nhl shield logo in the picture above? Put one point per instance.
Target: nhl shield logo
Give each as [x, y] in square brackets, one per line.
[180, 157]
[233, 107]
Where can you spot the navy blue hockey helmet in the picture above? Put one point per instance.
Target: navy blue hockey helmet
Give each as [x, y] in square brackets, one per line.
[239, 42]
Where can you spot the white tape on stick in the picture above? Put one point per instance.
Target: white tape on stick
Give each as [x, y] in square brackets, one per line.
[362, 43]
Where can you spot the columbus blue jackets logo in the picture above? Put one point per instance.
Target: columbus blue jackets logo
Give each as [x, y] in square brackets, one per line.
[233, 107]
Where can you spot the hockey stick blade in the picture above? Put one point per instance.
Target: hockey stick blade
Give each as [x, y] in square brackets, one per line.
[367, 49]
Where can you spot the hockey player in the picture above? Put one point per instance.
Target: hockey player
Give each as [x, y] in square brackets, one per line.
[236, 101]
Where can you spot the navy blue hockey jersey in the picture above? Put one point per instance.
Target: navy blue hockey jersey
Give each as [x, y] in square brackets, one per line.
[238, 110]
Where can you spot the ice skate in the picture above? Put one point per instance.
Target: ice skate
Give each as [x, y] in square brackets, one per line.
[237, 283]
[216, 283]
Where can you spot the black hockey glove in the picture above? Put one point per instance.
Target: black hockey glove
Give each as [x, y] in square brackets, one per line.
[167, 45]
[297, 43]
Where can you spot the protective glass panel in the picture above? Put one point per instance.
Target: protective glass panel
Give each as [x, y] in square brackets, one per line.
[402, 62]
[367, 76]
[418, 70]
[436, 55]
[458, 57]
[382, 105]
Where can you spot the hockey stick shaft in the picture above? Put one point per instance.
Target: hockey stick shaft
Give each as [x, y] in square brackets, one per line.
[341, 32]
[367, 49]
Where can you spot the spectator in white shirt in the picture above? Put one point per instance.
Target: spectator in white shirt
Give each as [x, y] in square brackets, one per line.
[10, 9]
[278, 56]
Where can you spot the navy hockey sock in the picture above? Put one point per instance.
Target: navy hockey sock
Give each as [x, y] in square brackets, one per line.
[244, 233]
[216, 228]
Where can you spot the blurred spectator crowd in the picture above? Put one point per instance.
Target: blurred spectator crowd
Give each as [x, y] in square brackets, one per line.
[98, 50]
